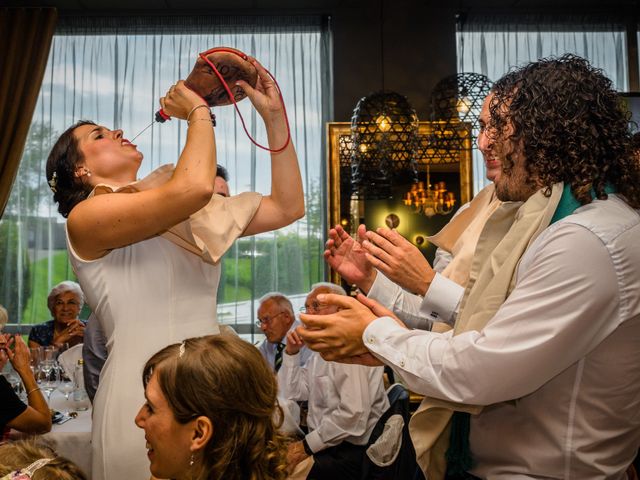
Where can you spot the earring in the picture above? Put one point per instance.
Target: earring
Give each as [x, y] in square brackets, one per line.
[191, 461]
[82, 171]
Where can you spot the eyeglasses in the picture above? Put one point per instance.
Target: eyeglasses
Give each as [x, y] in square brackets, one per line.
[267, 320]
[313, 307]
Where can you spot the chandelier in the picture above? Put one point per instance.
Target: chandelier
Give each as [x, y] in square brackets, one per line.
[430, 201]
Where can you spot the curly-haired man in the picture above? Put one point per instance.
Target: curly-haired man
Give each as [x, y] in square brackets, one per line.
[544, 352]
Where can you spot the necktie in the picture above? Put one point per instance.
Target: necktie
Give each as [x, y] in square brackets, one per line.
[278, 360]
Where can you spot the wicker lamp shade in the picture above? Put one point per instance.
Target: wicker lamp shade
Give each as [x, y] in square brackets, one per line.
[384, 134]
[459, 97]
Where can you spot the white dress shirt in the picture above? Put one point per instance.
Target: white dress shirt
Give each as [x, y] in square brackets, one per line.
[345, 401]
[557, 366]
[440, 303]
[268, 349]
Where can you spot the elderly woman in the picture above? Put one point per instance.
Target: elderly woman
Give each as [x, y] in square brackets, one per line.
[65, 302]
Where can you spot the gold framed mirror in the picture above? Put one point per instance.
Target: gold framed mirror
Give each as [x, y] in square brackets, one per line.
[444, 155]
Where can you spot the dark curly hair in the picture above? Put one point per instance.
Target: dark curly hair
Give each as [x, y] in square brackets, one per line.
[225, 379]
[68, 190]
[570, 125]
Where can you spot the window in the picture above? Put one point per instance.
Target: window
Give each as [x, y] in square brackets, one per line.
[113, 71]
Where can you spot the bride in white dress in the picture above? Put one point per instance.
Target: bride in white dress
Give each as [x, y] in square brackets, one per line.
[146, 252]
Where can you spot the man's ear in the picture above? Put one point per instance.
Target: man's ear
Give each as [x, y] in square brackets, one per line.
[202, 433]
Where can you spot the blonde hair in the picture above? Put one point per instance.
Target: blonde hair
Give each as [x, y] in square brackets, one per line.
[4, 317]
[22, 453]
[224, 378]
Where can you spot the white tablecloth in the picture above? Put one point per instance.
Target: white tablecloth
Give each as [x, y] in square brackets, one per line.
[72, 439]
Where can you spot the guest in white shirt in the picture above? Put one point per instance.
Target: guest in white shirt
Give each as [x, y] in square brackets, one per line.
[556, 364]
[393, 271]
[275, 319]
[345, 402]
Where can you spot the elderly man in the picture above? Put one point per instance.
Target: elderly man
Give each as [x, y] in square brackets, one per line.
[546, 339]
[345, 402]
[276, 319]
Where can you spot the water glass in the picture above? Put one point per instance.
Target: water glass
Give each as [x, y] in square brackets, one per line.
[48, 378]
[35, 355]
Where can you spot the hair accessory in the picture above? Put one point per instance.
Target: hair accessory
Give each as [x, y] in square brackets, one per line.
[27, 472]
[180, 353]
[53, 183]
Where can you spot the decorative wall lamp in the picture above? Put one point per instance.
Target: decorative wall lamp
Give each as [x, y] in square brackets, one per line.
[384, 134]
[459, 98]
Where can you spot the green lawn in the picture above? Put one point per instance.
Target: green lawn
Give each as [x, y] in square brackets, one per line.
[36, 310]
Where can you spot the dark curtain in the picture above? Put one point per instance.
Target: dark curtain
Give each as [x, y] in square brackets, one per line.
[25, 36]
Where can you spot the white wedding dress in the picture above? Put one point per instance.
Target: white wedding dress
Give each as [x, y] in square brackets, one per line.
[146, 296]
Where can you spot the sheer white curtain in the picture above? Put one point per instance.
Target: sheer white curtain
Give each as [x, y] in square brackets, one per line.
[113, 71]
[493, 44]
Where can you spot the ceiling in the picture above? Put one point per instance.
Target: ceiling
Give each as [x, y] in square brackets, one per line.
[183, 6]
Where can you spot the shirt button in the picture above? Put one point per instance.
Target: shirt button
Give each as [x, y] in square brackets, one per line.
[402, 363]
[371, 340]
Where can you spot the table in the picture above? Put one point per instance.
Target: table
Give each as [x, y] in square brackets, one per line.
[73, 438]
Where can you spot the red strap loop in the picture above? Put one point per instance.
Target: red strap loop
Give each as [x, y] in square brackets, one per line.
[203, 55]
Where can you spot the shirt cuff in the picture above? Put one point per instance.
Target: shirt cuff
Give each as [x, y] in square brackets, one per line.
[290, 360]
[440, 304]
[382, 290]
[314, 441]
[375, 337]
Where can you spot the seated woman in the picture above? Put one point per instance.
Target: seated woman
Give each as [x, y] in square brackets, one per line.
[27, 459]
[65, 301]
[209, 412]
[32, 418]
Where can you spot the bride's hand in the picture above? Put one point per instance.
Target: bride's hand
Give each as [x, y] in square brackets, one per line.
[180, 100]
[265, 96]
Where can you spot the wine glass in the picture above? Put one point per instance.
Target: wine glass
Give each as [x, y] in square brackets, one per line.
[35, 355]
[66, 385]
[48, 377]
[49, 354]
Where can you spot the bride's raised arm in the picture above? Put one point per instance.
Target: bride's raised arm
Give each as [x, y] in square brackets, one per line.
[285, 203]
[104, 222]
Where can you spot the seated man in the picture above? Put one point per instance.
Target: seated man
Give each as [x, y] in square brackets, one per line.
[276, 319]
[345, 402]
